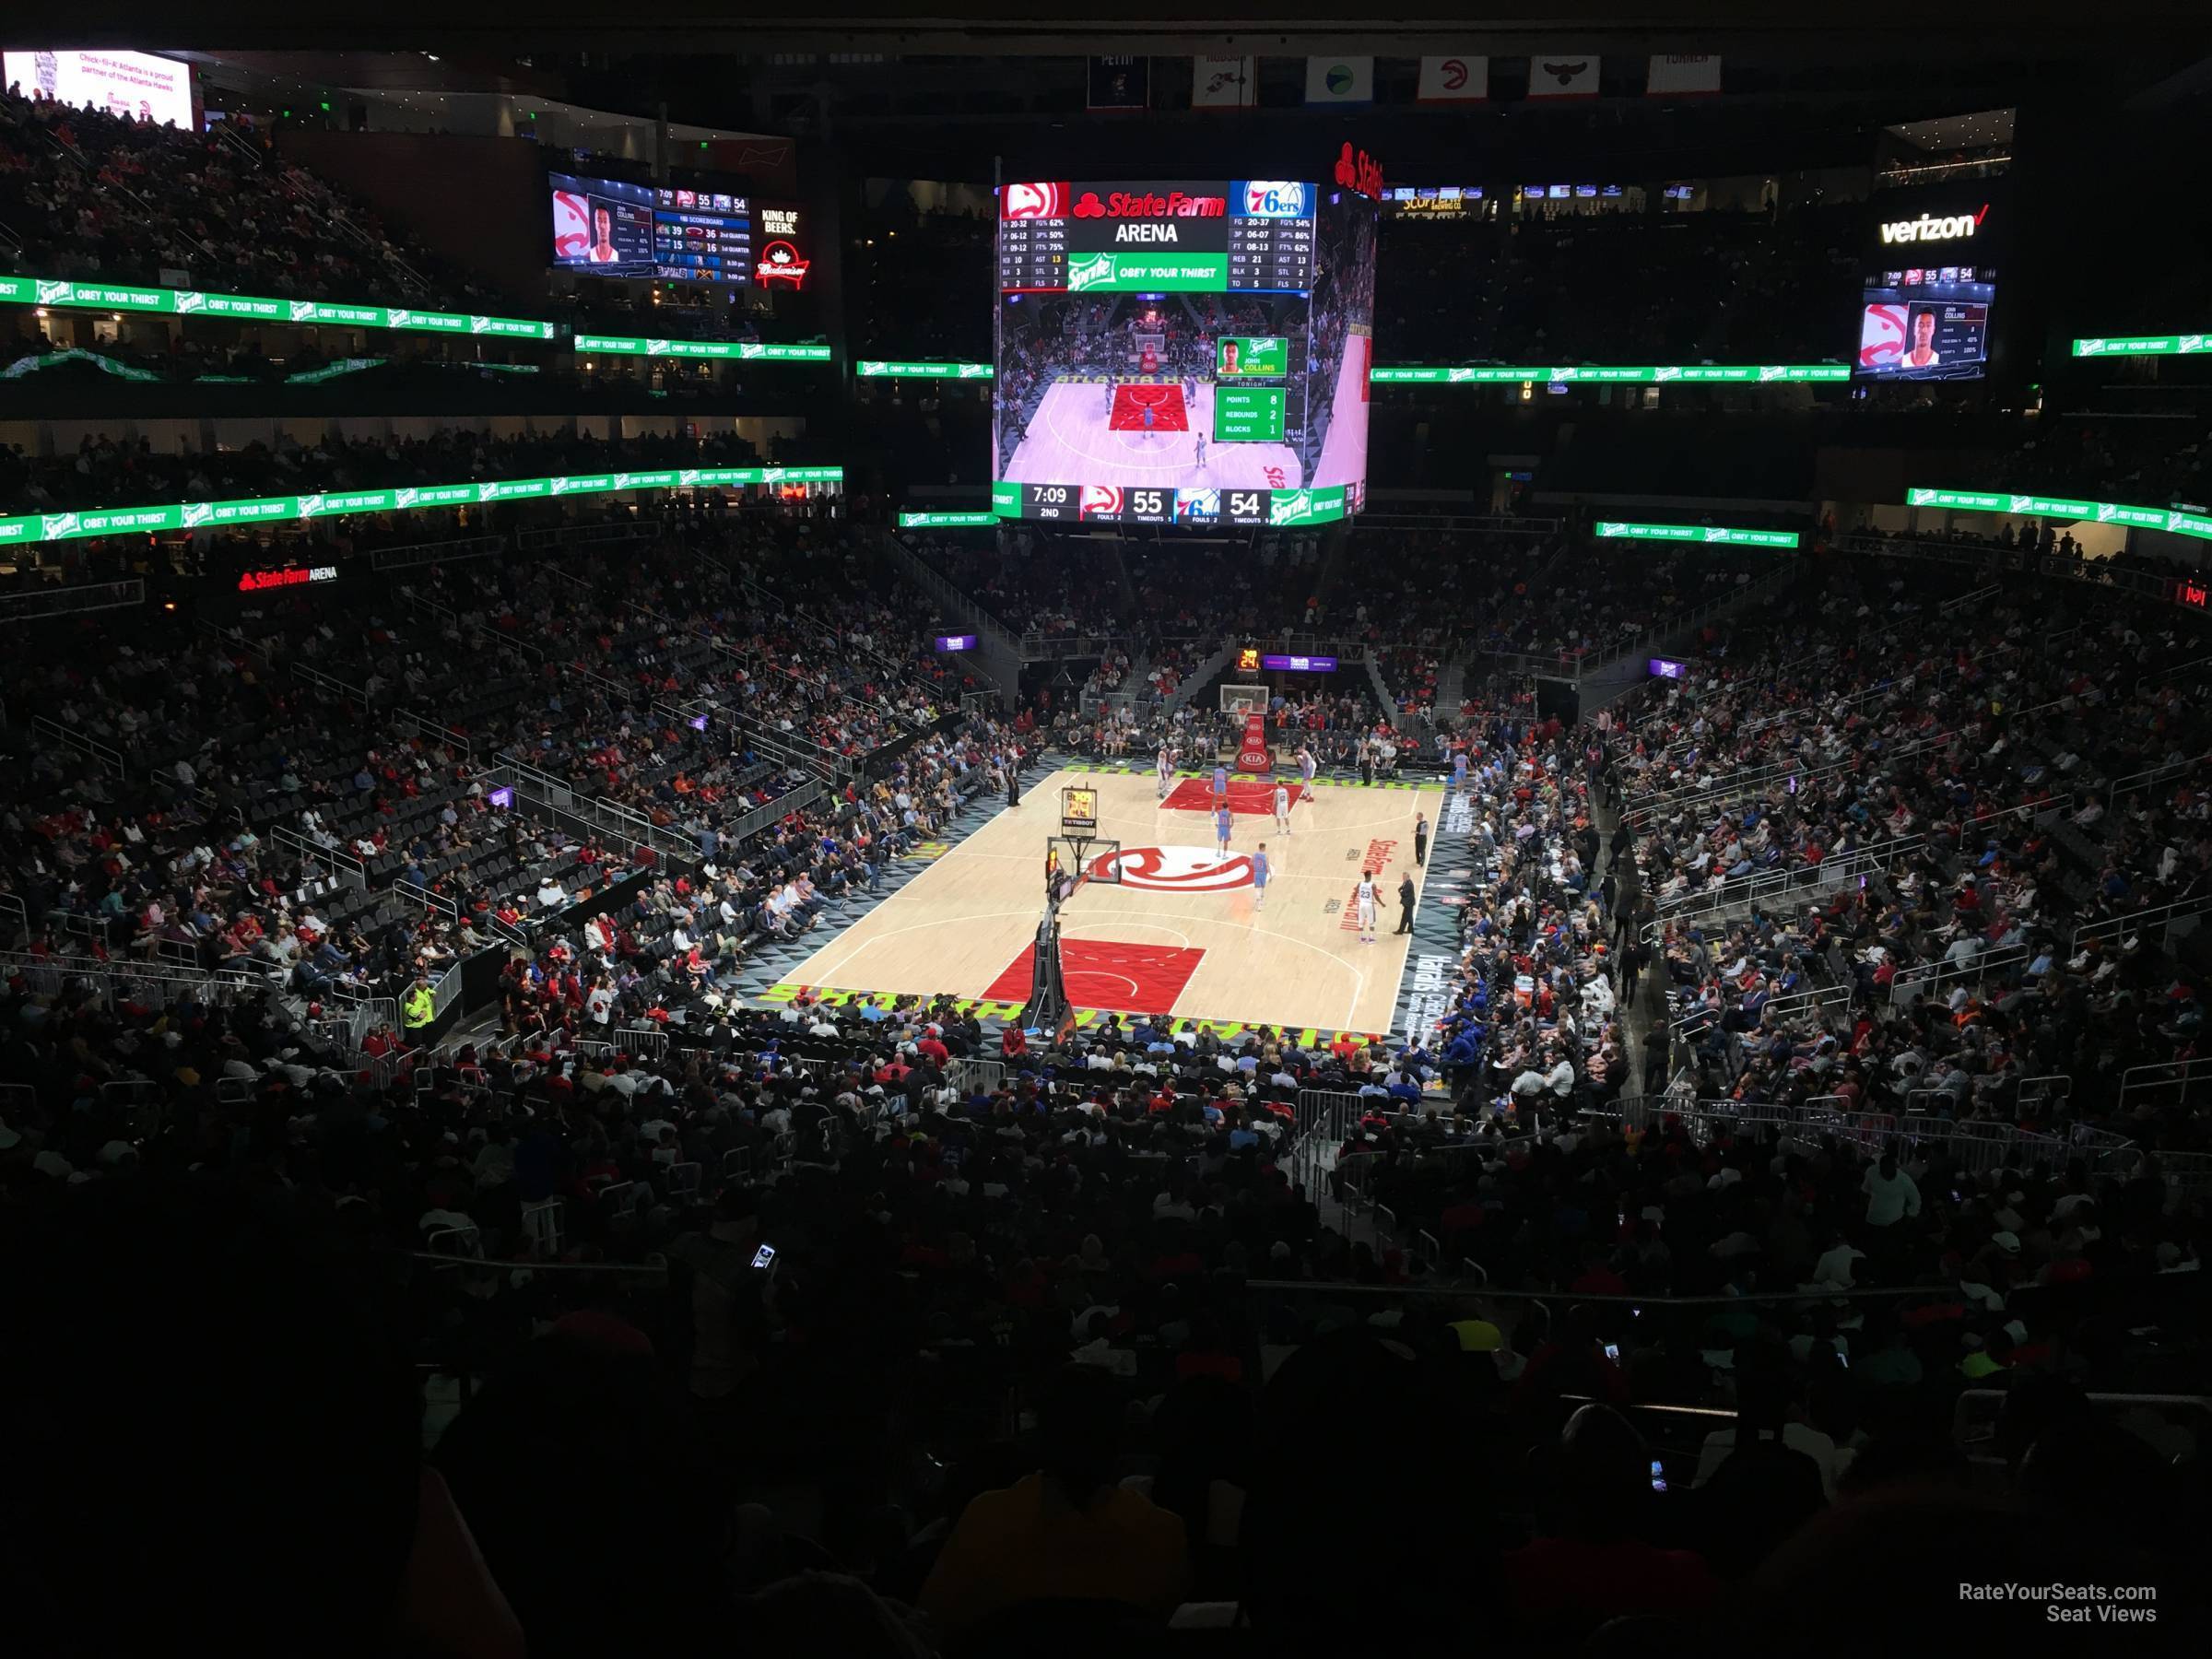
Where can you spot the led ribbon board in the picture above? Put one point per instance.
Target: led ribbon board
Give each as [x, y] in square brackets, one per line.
[263, 509]
[191, 302]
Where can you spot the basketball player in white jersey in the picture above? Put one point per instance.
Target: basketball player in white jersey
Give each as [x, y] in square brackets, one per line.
[1305, 771]
[1366, 901]
[1282, 808]
[1165, 767]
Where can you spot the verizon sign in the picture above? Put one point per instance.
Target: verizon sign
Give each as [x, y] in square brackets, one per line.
[1927, 228]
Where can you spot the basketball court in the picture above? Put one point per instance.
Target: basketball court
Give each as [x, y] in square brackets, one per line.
[1095, 429]
[1163, 922]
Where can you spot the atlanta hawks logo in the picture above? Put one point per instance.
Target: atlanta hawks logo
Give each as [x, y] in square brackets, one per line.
[1174, 869]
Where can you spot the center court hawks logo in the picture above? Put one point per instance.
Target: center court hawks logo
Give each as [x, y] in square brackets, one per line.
[1174, 869]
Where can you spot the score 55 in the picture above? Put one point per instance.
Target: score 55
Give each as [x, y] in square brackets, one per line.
[1151, 504]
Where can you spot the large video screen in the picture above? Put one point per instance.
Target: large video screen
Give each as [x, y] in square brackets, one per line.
[609, 227]
[1188, 352]
[1926, 323]
[1929, 270]
[133, 86]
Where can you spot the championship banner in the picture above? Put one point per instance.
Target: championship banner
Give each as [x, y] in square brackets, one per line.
[1680, 76]
[190, 303]
[1462, 79]
[1340, 80]
[1117, 84]
[1224, 83]
[1553, 75]
[263, 509]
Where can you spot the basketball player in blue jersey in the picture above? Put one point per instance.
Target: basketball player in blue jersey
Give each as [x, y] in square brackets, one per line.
[1221, 785]
[1259, 875]
[1282, 808]
[1223, 819]
[1165, 767]
[1459, 772]
[1305, 771]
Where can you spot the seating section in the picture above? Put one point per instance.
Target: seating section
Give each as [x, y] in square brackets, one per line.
[1800, 1046]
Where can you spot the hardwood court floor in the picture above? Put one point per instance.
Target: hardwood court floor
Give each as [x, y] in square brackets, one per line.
[1183, 932]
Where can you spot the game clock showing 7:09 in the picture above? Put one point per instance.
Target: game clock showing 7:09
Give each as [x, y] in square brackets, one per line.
[1123, 504]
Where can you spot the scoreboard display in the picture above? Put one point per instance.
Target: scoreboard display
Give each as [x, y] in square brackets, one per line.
[1183, 351]
[1244, 236]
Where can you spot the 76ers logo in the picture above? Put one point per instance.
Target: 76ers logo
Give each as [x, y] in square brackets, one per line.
[1174, 869]
[1034, 201]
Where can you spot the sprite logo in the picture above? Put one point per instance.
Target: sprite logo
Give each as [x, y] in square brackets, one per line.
[751, 348]
[188, 301]
[689, 475]
[197, 512]
[771, 474]
[1093, 270]
[1773, 372]
[405, 497]
[1716, 536]
[478, 324]
[1291, 508]
[2091, 347]
[310, 505]
[53, 292]
[2105, 511]
[656, 348]
[868, 367]
[1455, 376]
[1921, 498]
[487, 492]
[52, 526]
[400, 319]
[1669, 374]
[1611, 529]
[621, 480]
[975, 371]
[2193, 343]
[2022, 504]
[560, 486]
[301, 310]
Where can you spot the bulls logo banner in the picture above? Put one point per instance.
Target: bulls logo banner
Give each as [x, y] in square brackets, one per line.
[1562, 74]
[1224, 83]
[1118, 83]
[1459, 78]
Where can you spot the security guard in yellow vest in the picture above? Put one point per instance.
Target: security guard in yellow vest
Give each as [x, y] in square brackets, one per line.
[418, 1008]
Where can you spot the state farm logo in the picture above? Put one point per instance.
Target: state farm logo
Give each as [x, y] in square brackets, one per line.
[1150, 204]
[1036, 201]
[1174, 869]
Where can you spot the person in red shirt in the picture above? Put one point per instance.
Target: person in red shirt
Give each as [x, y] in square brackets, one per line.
[1013, 1043]
[932, 1050]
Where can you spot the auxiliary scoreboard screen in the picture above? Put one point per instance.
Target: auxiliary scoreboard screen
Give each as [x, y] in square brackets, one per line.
[1185, 352]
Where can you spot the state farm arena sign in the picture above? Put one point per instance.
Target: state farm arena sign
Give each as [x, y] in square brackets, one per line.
[1174, 869]
[1189, 215]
